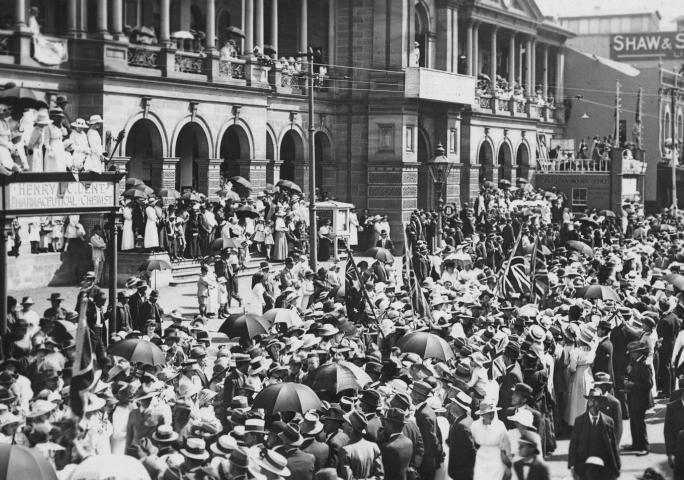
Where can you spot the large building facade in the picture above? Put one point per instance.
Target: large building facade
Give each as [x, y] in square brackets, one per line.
[402, 78]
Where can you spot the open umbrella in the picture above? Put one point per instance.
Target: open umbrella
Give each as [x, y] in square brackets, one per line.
[223, 243]
[581, 247]
[607, 213]
[427, 345]
[289, 185]
[135, 193]
[65, 331]
[676, 279]
[246, 211]
[504, 184]
[182, 35]
[137, 350]
[144, 188]
[21, 98]
[235, 31]
[228, 194]
[18, 462]
[460, 258]
[169, 193]
[154, 265]
[287, 397]
[381, 254]
[133, 182]
[544, 249]
[338, 377]
[488, 184]
[667, 228]
[521, 180]
[597, 292]
[589, 221]
[242, 181]
[245, 326]
[110, 467]
[283, 315]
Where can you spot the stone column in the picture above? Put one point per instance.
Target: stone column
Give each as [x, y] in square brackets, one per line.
[165, 23]
[274, 26]
[469, 47]
[259, 23]
[454, 40]
[19, 14]
[117, 22]
[546, 70]
[476, 53]
[331, 32]
[72, 17]
[102, 28]
[493, 55]
[533, 60]
[511, 60]
[169, 172]
[83, 21]
[211, 25]
[249, 27]
[560, 74]
[304, 26]
[529, 81]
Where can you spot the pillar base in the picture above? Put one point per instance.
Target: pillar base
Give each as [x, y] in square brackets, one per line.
[169, 166]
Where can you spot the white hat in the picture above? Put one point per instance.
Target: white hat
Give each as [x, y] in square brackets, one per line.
[79, 123]
[95, 119]
[43, 118]
[524, 417]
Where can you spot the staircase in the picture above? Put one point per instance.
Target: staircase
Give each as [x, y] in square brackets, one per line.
[187, 271]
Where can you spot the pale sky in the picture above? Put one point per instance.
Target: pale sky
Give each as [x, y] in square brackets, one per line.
[669, 9]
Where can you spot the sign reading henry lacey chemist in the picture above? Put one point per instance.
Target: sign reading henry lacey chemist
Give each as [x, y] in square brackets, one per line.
[59, 195]
[666, 45]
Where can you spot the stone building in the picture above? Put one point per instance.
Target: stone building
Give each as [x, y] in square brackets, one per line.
[402, 77]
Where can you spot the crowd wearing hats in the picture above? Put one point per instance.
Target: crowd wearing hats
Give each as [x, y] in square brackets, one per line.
[457, 370]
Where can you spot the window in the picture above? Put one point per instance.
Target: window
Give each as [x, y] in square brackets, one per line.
[453, 140]
[579, 197]
[409, 139]
[386, 137]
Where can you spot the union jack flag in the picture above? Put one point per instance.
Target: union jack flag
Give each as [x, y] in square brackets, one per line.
[514, 278]
[539, 274]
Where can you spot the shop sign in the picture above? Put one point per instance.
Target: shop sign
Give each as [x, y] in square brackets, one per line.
[59, 195]
[633, 46]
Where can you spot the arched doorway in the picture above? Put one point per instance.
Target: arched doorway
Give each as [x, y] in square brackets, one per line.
[504, 160]
[424, 180]
[145, 149]
[422, 33]
[522, 160]
[326, 178]
[234, 148]
[192, 150]
[485, 158]
[292, 156]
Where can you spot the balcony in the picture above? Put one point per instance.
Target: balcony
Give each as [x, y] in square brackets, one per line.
[144, 56]
[439, 86]
[189, 62]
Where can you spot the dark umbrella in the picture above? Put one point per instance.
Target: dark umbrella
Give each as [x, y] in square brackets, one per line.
[144, 188]
[607, 213]
[581, 247]
[137, 350]
[21, 98]
[222, 243]
[135, 193]
[235, 31]
[504, 184]
[17, 461]
[65, 331]
[246, 211]
[381, 254]
[599, 292]
[544, 249]
[427, 345]
[242, 181]
[245, 326]
[289, 185]
[676, 279]
[154, 265]
[133, 182]
[488, 184]
[338, 377]
[169, 193]
[287, 397]
[589, 221]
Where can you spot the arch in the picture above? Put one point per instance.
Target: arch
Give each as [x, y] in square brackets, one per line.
[199, 121]
[223, 21]
[235, 150]
[156, 121]
[145, 149]
[522, 160]
[505, 160]
[425, 187]
[270, 146]
[273, 138]
[192, 149]
[326, 175]
[421, 21]
[485, 158]
[292, 155]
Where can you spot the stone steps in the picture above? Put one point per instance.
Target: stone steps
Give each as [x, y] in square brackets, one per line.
[187, 271]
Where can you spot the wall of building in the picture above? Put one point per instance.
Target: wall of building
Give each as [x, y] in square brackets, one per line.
[597, 185]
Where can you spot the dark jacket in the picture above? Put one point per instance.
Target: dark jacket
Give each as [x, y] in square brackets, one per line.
[538, 470]
[319, 450]
[579, 443]
[412, 432]
[603, 361]
[613, 408]
[301, 464]
[396, 456]
[386, 243]
[148, 310]
[674, 423]
[426, 419]
[462, 450]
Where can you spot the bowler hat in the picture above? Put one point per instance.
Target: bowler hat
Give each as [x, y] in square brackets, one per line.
[356, 420]
[395, 415]
[291, 435]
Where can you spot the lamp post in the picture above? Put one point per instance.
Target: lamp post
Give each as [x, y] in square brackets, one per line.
[439, 167]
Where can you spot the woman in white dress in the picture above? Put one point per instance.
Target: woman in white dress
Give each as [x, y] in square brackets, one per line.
[491, 461]
[78, 143]
[151, 233]
[280, 237]
[55, 155]
[354, 227]
[581, 379]
[127, 235]
[39, 138]
[6, 160]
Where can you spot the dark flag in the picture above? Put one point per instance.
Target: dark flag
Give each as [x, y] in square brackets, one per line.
[83, 372]
[539, 274]
[514, 278]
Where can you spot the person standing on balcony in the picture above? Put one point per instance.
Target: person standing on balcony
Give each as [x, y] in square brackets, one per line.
[55, 155]
[78, 144]
[61, 101]
[93, 161]
[414, 58]
[37, 141]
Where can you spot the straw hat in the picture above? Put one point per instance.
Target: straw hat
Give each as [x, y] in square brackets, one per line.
[487, 406]
[275, 463]
[523, 417]
[79, 123]
[195, 448]
[95, 119]
[164, 434]
[42, 118]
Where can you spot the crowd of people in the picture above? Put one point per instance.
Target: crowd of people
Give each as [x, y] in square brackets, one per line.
[523, 324]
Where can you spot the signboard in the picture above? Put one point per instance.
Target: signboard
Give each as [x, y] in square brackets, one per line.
[59, 195]
[633, 46]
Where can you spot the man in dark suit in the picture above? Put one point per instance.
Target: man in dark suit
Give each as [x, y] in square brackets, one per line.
[311, 429]
[462, 449]
[336, 438]
[512, 376]
[369, 401]
[638, 384]
[411, 431]
[135, 302]
[398, 450]
[603, 361]
[426, 419]
[620, 337]
[593, 435]
[150, 309]
[674, 423]
[380, 271]
[124, 321]
[384, 241]
[668, 329]
[300, 464]
[530, 466]
[610, 406]
[235, 380]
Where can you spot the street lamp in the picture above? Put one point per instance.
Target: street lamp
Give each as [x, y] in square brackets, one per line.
[439, 167]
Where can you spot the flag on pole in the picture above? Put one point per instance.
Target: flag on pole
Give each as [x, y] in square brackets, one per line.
[515, 278]
[539, 273]
[83, 370]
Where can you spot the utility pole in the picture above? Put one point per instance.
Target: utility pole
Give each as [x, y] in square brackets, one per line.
[674, 147]
[313, 229]
[618, 105]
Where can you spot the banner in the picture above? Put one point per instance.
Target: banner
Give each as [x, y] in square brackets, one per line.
[633, 46]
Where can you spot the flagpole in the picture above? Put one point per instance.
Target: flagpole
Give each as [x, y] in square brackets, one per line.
[504, 274]
[363, 288]
[533, 268]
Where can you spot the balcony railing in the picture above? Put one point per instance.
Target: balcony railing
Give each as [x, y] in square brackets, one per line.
[233, 69]
[439, 86]
[572, 165]
[188, 62]
[503, 105]
[144, 56]
[295, 81]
